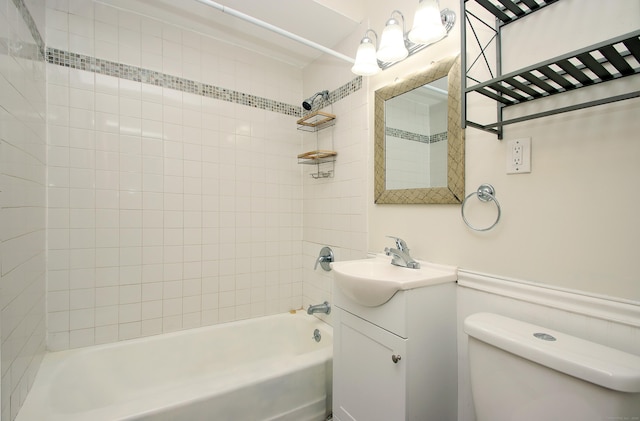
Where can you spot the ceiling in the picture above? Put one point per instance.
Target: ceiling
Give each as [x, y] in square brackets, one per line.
[325, 22]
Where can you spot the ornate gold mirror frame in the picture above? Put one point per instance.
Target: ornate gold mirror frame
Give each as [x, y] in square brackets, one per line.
[454, 192]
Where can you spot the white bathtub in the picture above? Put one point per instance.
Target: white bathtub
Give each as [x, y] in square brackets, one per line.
[268, 368]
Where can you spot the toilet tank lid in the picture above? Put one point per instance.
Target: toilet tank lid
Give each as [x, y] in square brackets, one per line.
[595, 363]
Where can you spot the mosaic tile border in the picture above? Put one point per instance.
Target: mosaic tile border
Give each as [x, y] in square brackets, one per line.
[31, 24]
[138, 74]
[338, 94]
[416, 137]
[92, 64]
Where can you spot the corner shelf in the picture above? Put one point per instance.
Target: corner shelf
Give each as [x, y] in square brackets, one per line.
[315, 121]
[317, 157]
[608, 60]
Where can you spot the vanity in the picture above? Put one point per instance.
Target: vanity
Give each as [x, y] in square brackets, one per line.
[394, 327]
[395, 352]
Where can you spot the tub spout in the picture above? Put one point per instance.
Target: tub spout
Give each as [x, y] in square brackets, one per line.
[320, 308]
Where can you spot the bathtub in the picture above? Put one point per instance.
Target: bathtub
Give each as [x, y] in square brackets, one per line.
[269, 368]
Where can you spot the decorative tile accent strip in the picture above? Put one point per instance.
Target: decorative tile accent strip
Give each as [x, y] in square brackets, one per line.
[31, 24]
[338, 94]
[138, 74]
[438, 137]
[416, 137]
[403, 134]
[345, 90]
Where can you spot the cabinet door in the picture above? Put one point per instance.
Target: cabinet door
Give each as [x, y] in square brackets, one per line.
[367, 384]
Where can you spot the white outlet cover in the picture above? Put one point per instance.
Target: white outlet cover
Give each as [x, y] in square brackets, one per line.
[520, 148]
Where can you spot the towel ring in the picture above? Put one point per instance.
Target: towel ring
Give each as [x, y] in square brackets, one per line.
[485, 193]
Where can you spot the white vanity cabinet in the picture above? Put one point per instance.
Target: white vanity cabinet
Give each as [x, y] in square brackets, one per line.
[396, 361]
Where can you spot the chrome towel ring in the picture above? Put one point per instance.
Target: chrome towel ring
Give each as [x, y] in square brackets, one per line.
[485, 193]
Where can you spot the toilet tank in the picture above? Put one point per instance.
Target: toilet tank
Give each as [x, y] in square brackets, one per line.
[520, 371]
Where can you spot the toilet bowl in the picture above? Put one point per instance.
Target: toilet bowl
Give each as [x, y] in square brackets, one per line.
[523, 372]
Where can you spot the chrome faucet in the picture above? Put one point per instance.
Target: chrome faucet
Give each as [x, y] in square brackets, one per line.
[400, 255]
[320, 308]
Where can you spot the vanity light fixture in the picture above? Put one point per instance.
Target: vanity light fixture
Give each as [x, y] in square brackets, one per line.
[392, 41]
[430, 25]
[366, 62]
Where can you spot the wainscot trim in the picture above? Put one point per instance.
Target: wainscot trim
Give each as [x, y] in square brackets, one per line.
[621, 311]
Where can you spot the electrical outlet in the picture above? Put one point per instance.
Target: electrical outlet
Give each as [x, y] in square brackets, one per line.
[516, 154]
[519, 156]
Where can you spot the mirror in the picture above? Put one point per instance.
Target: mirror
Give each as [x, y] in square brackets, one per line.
[419, 144]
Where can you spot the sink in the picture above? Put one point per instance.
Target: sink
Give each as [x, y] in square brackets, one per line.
[372, 282]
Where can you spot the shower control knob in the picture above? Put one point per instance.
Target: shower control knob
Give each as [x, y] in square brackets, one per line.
[396, 358]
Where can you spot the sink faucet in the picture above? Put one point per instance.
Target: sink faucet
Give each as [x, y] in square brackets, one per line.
[320, 308]
[400, 254]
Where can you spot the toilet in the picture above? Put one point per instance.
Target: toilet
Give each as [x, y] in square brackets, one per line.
[523, 372]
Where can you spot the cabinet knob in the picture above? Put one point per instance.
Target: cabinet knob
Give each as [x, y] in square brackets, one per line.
[396, 358]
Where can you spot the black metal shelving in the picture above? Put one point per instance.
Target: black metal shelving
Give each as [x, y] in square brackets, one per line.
[609, 60]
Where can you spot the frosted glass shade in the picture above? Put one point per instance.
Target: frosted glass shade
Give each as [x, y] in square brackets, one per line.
[366, 63]
[392, 46]
[427, 23]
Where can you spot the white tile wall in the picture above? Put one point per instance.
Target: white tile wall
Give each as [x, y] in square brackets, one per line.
[22, 206]
[168, 210]
[407, 163]
[404, 170]
[335, 208]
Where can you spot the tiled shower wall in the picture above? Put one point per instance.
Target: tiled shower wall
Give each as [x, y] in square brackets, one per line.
[168, 208]
[418, 144]
[22, 198]
[335, 207]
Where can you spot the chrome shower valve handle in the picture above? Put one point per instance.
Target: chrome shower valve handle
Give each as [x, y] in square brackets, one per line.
[325, 258]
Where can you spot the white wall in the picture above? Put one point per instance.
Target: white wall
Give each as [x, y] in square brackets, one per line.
[22, 200]
[571, 224]
[572, 221]
[407, 161]
[334, 208]
[438, 163]
[602, 321]
[168, 209]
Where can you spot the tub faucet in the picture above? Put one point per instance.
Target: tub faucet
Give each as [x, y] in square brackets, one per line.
[400, 255]
[320, 308]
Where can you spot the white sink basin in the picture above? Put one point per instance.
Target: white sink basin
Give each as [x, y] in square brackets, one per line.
[372, 282]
